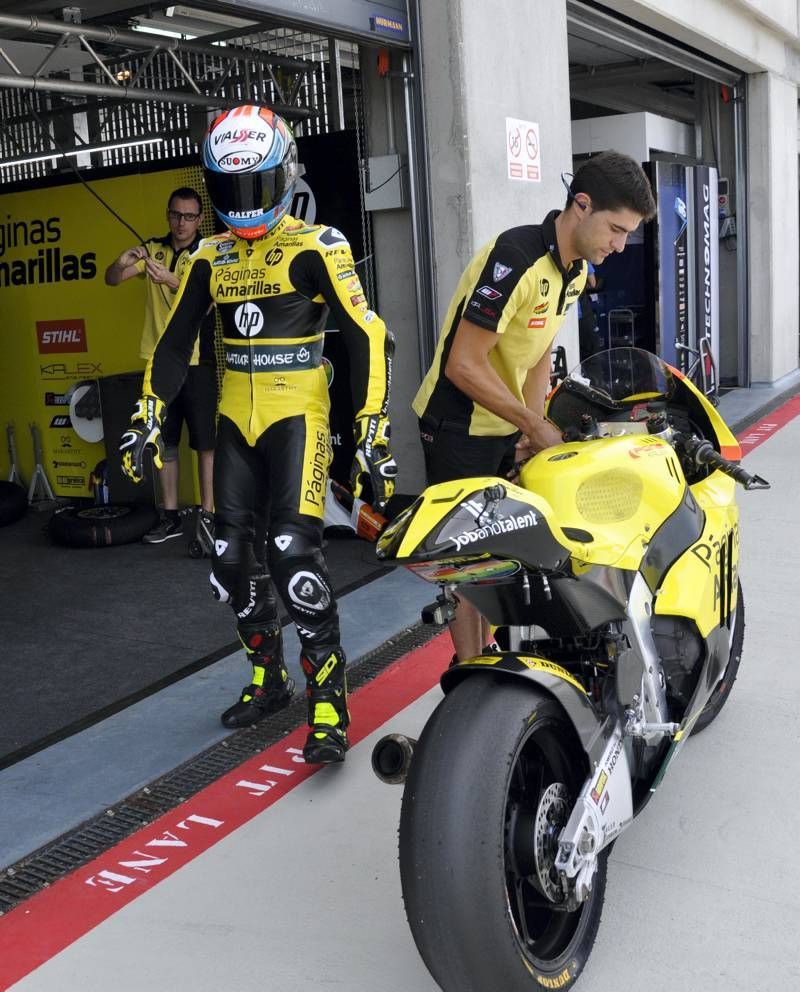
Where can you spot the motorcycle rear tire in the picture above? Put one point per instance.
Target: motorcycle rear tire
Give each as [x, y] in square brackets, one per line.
[723, 688]
[466, 842]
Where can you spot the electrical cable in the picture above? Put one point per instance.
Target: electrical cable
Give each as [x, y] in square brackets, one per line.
[81, 179]
[711, 129]
[400, 168]
[76, 170]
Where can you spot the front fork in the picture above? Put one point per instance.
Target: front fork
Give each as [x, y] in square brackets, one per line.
[602, 811]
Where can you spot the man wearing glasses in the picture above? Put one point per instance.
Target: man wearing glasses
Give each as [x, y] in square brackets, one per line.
[162, 262]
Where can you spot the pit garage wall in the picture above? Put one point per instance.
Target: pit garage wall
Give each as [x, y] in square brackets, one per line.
[481, 64]
[394, 264]
[474, 76]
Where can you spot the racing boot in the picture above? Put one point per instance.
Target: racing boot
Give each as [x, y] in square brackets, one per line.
[328, 716]
[271, 689]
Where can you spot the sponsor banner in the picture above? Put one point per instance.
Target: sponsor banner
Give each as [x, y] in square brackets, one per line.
[62, 325]
[671, 260]
[61, 336]
[704, 255]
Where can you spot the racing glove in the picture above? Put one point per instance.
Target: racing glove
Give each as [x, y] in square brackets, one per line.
[373, 460]
[145, 428]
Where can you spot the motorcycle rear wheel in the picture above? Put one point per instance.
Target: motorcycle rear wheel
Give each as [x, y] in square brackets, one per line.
[468, 859]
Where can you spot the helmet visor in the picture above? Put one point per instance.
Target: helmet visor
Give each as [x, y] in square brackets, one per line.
[247, 194]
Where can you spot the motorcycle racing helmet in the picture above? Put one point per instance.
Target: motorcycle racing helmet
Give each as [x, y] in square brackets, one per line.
[249, 160]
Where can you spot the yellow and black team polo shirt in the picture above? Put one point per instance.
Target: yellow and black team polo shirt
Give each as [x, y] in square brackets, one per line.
[160, 299]
[517, 286]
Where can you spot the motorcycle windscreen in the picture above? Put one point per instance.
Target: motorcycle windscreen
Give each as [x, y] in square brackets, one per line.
[612, 385]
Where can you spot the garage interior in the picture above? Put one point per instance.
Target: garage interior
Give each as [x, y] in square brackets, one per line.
[87, 89]
[83, 88]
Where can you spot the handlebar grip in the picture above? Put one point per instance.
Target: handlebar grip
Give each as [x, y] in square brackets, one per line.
[703, 453]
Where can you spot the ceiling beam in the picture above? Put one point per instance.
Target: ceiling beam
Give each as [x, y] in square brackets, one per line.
[628, 73]
[141, 40]
[140, 95]
[635, 99]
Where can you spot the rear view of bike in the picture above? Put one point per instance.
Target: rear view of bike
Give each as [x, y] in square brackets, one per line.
[481, 824]
[610, 573]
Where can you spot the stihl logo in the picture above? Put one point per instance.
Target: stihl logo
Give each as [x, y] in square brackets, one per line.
[61, 336]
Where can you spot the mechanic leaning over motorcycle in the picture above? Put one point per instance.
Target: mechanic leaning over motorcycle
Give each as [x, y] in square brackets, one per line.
[273, 279]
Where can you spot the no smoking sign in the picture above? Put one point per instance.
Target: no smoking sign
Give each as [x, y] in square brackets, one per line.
[522, 150]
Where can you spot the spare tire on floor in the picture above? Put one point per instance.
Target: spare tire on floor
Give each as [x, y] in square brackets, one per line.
[13, 502]
[99, 526]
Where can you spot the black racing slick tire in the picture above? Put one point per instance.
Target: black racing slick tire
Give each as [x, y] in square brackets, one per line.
[13, 502]
[723, 688]
[101, 526]
[471, 873]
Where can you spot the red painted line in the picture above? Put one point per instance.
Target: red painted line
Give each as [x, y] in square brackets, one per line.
[54, 918]
[766, 427]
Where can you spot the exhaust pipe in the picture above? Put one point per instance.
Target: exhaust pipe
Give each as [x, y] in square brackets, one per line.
[391, 758]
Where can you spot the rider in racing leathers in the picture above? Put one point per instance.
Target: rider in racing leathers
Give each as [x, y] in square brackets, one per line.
[273, 279]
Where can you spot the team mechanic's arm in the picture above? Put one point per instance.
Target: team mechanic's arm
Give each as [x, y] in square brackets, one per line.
[129, 264]
[495, 299]
[534, 391]
[468, 367]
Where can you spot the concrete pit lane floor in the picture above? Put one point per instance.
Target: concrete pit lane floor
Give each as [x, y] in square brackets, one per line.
[282, 878]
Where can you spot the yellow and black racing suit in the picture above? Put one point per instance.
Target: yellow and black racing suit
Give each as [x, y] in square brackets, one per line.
[273, 438]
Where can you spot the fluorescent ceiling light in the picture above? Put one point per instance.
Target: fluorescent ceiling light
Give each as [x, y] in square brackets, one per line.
[147, 27]
[80, 151]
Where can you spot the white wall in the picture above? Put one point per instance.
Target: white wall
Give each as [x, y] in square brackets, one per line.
[634, 134]
[773, 226]
[752, 35]
[477, 72]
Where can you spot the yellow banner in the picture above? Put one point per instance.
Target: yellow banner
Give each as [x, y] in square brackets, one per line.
[61, 324]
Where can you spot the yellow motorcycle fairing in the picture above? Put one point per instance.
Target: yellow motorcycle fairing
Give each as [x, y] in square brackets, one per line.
[726, 441]
[455, 523]
[702, 583]
[609, 495]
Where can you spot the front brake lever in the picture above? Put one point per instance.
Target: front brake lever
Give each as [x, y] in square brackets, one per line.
[756, 482]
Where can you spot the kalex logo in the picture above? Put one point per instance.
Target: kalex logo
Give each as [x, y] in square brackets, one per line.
[58, 336]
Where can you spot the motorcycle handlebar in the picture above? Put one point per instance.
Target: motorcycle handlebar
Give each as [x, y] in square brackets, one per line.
[704, 453]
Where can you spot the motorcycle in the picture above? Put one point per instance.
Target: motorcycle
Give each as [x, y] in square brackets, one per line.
[609, 572]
